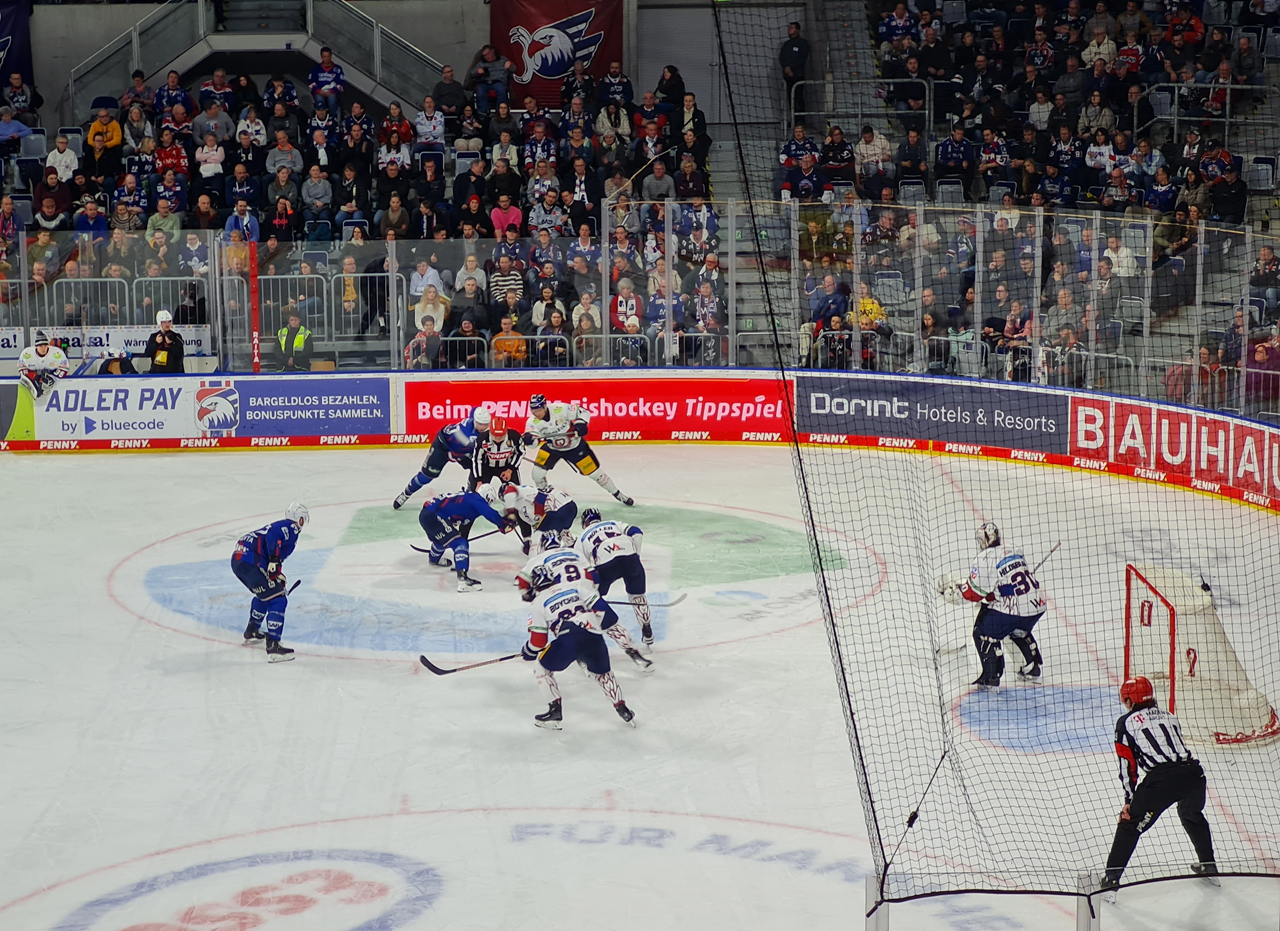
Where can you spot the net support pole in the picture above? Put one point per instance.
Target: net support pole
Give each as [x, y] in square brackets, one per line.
[732, 262]
[878, 920]
[1088, 918]
[673, 288]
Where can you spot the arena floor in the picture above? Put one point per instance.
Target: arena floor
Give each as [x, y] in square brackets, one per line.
[160, 775]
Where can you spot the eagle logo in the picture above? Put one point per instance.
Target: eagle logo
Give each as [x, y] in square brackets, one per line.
[217, 407]
[551, 50]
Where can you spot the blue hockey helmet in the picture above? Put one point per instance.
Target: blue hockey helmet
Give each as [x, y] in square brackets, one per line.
[548, 540]
[537, 402]
[590, 516]
[540, 579]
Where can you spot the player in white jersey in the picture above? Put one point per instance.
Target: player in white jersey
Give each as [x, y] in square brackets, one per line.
[41, 365]
[613, 547]
[573, 614]
[1011, 603]
[559, 430]
[1150, 745]
[544, 510]
[569, 565]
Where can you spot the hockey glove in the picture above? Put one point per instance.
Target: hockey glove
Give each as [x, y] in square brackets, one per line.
[580, 428]
[528, 653]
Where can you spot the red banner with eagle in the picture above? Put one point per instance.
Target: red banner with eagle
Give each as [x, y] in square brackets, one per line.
[543, 38]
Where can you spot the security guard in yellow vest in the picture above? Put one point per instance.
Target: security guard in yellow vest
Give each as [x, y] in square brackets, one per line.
[295, 344]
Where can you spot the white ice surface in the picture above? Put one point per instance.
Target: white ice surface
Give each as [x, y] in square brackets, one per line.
[155, 774]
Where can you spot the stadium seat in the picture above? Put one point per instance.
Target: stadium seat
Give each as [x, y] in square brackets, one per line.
[22, 206]
[1260, 175]
[36, 145]
[954, 12]
[437, 157]
[463, 162]
[75, 139]
[890, 289]
[911, 193]
[951, 191]
[996, 194]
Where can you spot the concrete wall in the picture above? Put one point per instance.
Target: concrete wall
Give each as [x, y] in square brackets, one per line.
[63, 35]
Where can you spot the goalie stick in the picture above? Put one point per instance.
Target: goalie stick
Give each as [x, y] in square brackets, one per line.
[444, 672]
[669, 604]
[1046, 557]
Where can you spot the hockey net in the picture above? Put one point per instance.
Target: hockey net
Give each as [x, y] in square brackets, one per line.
[1174, 637]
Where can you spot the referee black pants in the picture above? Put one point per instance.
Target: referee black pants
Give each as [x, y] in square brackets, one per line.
[1168, 784]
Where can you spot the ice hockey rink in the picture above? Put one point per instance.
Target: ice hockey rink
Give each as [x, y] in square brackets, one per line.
[158, 775]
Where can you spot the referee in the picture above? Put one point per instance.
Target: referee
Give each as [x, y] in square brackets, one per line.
[1149, 742]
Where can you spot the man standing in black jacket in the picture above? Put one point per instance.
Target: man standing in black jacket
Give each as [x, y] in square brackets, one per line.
[165, 347]
[793, 58]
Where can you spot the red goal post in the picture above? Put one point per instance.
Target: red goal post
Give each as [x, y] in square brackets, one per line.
[1174, 636]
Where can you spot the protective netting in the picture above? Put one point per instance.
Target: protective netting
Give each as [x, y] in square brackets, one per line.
[1016, 790]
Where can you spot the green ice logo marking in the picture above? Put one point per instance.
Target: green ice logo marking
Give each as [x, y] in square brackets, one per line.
[735, 550]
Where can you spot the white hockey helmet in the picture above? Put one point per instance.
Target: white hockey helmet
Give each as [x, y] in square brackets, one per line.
[491, 491]
[481, 418]
[163, 316]
[988, 535]
[298, 513]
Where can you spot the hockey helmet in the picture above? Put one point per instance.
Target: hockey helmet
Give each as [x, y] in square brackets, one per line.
[491, 491]
[548, 540]
[988, 535]
[541, 578]
[1137, 690]
[537, 402]
[163, 316]
[498, 429]
[481, 418]
[298, 513]
[41, 338]
[590, 516]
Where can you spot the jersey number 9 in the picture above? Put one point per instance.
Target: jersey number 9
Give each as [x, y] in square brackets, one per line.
[571, 573]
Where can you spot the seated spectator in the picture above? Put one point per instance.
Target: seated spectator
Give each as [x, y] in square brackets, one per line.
[242, 223]
[316, 196]
[138, 94]
[285, 154]
[136, 129]
[425, 349]
[395, 151]
[588, 342]
[250, 123]
[1262, 380]
[508, 349]
[955, 158]
[284, 186]
[490, 76]
[632, 350]
[471, 133]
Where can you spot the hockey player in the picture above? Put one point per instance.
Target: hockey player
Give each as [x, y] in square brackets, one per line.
[543, 509]
[1151, 749]
[567, 564]
[41, 365]
[572, 613]
[258, 562]
[614, 549]
[497, 455]
[456, 442]
[446, 519]
[1011, 604]
[560, 431]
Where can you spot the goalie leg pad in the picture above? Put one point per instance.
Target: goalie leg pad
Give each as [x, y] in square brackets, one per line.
[992, 656]
[1026, 643]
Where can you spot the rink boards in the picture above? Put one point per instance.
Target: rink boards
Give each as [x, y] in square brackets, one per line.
[1208, 452]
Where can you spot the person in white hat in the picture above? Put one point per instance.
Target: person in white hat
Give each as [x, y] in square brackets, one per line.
[165, 347]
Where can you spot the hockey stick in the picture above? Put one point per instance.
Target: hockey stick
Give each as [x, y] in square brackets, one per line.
[1046, 557]
[669, 604]
[471, 540]
[296, 583]
[444, 672]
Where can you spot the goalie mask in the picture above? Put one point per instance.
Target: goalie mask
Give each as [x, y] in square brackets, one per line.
[988, 535]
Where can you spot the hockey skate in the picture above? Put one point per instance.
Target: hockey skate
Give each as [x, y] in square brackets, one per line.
[468, 584]
[1030, 674]
[277, 653]
[646, 634]
[643, 663]
[446, 559]
[1208, 872]
[984, 686]
[629, 502]
[400, 500]
[627, 715]
[551, 718]
[252, 633]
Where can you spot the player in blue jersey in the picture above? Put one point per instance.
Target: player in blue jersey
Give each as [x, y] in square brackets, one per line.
[446, 519]
[258, 562]
[574, 614]
[456, 442]
[613, 548]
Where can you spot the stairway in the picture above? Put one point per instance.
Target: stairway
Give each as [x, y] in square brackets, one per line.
[265, 15]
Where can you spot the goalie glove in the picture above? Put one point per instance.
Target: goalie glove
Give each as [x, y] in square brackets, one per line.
[949, 588]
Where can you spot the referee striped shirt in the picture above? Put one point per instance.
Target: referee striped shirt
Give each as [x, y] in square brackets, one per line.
[1146, 738]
